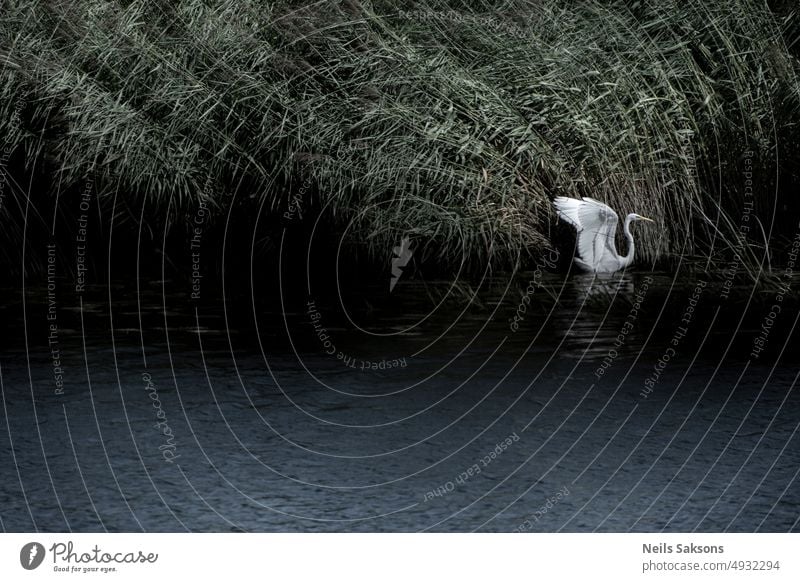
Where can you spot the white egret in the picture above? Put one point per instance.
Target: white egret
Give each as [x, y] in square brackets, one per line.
[596, 224]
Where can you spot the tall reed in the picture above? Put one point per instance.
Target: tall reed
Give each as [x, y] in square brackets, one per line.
[453, 123]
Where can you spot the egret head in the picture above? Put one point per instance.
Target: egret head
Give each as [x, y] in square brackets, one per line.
[637, 217]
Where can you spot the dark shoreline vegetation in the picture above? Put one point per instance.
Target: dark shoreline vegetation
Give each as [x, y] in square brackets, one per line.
[453, 124]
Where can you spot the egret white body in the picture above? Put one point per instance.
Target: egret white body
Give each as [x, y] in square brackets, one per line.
[596, 224]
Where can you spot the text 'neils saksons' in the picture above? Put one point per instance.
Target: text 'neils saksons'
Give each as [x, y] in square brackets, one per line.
[663, 548]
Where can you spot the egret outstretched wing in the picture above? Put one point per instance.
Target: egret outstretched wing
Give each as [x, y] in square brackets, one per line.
[596, 224]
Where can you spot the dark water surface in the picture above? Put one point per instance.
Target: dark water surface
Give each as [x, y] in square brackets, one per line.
[562, 419]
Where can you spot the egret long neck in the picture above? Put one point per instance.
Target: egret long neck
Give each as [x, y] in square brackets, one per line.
[628, 258]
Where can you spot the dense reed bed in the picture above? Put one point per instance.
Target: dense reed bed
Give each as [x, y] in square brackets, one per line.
[452, 123]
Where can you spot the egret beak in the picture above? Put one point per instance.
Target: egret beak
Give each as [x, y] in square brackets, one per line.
[647, 219]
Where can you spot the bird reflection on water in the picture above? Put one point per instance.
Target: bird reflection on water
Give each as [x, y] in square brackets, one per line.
[598, 304]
